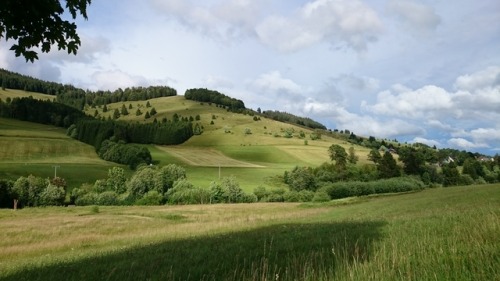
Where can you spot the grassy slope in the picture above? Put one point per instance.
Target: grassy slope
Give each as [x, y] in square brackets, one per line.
[436, 234]
[29, 148]
[254, 159]
[9, 93]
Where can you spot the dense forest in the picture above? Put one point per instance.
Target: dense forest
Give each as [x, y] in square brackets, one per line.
[78, 98]
[40, 111]
[210, 96]
[290, 118]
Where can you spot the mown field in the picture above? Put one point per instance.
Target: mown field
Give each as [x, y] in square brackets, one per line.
[29, 148]
[436, 234]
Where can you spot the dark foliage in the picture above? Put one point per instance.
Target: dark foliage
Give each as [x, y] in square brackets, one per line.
[210, 96]
[292, 119]
[122, 153]
[41, 24]
[78, 98]
[41, 111]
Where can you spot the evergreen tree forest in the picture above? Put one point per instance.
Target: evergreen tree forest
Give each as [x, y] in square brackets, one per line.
[210, 96]
[78, 98]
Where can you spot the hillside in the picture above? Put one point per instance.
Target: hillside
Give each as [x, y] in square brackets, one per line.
[253, 151]
[29, 148]
[257, 152]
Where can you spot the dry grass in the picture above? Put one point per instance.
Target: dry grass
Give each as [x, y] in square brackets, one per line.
[206, 157]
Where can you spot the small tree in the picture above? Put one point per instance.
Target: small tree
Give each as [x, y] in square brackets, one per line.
[152, 112]
[116, 114]
[353, 158]
[138, 112]
[148, 104]
[124, 110]
[339, 155]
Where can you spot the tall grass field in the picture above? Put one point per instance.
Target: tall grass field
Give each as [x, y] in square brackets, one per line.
[435, 234]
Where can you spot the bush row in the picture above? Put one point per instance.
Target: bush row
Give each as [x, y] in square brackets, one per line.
[357, 188]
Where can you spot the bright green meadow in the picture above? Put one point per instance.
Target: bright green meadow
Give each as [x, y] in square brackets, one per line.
[435, 234]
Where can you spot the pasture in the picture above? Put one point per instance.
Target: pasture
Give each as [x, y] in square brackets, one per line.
[10, 93]
[436, 234]
[29, 148]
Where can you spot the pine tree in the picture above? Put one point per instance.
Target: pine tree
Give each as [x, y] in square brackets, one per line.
[104, 108]
[116, 114]
[147, 116]
[124, 110]
[138, 112]
[152, 112]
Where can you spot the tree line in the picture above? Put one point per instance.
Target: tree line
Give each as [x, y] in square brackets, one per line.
[343, 178]
[211, 96]
[293, 119]
[167, 132]
[40, 111]
[77, 97]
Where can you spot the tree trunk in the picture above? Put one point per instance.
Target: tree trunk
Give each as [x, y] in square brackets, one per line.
[15, 204]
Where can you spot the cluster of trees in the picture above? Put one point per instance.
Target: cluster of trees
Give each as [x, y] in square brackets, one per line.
[79, 98]
[211, 96]
[40, 111]
[292, 119]
[32, 191]
[94, 132]
[413, 173]
[152, 185]
[122, 153]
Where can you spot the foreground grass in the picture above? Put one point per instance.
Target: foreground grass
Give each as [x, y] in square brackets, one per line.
[438, 234]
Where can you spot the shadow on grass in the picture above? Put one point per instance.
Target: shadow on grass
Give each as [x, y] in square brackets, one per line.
[284, 252]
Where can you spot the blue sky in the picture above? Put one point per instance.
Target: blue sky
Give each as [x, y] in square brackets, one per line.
[416, 71]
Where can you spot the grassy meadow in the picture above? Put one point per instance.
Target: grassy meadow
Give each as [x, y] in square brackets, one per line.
[29, 148]
[10, 93]
[435, 234]
[256, 159]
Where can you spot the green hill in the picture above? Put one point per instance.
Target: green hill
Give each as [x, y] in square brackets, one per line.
[30, 148]
[254, 150]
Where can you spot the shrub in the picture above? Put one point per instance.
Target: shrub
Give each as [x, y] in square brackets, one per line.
[107, 198]
[52, 196]
[261, 192]
[291, 196]
[151, 198]
[184, 192]
[87, 199]
[321, 196]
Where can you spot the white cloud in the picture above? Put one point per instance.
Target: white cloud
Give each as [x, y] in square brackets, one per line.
[417, 18]
[428, 142]
[223, 21]
[114, 79]
[464, 144]
[488, 77]
[348, 22]
[273, 82]
[428, 101]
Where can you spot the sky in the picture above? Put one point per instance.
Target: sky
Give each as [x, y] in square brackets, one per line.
[415, 71]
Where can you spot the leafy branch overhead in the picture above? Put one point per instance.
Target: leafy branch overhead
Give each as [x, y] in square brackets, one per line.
[40, 25]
